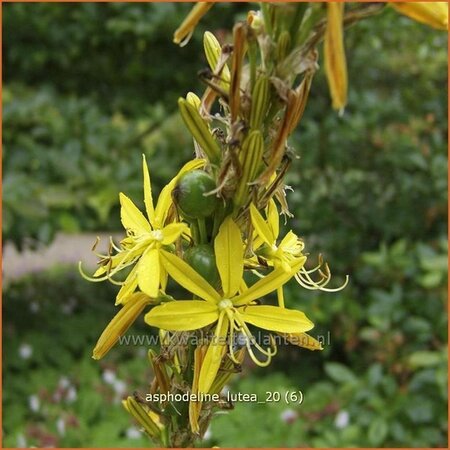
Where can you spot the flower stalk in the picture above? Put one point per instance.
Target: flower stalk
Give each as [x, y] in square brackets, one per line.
[216, 224]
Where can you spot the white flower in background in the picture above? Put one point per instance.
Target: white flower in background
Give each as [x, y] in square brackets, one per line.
[342, 419]
[61, 426]
[71, 395]
[64, 383]
[109, 376]
[289, 415]
[133, 433]
[120, 387]
[34, 403]
[25, 351]
[21, 441]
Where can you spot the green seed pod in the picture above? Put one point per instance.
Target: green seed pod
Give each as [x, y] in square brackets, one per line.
[260, 102]
[202, 259]
[283, 45]
[250, 158]
[189, 195]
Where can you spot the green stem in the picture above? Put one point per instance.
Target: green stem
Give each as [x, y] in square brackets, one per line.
[165, 437]
[280, 297]
[202, 231]
[195, 233]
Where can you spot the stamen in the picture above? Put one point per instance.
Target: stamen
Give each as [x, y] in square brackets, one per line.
[114, 246]
[89, 278]
[252, 341]
[94, 246]
[255, 359]
[231, 341]
[307, 282]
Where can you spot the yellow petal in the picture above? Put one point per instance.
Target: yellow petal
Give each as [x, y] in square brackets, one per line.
[261, 227]
[120, 324]
[285, 266]
[268, 284]
[303, 340]
[229, 250]
[290, 241]
[165, 198]
[274, 318]
[257, 241]
[128, 287]
[132, 218]
[173, 231]
[148, 200]
[213, 356]
[273, 218]
[182, 315]
[163, 276]
[334, 52]
[187, 277]
[228, 369]
[148, 272]
[100, 271]
[434, 14]
[196, 406]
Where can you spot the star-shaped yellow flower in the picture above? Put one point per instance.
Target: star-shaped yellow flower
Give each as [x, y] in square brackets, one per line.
[232, 309]
[146, 236]
[287, 251]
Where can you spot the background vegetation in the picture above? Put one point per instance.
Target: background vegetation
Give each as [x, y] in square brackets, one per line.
[88, 88]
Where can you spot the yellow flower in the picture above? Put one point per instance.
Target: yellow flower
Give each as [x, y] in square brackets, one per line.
[146, 236]
[282, 255]
[232, 309]
[434, 14]
[287, 251]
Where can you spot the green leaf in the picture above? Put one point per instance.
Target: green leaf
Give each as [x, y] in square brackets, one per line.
[340, 373]
[378, 431]
[425, 359]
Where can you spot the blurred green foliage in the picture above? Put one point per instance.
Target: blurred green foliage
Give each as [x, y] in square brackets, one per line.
[97, 88]
[55, 395]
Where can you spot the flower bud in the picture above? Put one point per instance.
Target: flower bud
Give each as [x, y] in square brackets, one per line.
[434, 14]
[335, 61]
[213, 52]
[184, 31]
[199, 130]
[120, 323]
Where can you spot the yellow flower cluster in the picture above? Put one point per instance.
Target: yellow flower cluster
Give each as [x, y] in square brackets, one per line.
[149, 249]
